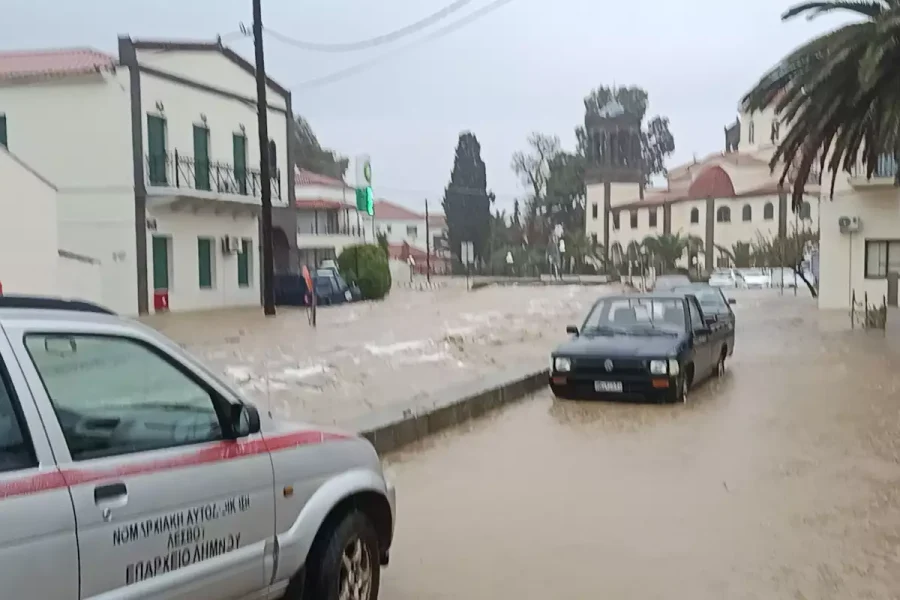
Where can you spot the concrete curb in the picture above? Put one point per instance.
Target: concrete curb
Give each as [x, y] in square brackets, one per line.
[396, 426]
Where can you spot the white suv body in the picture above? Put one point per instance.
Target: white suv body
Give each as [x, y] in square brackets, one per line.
[129, 470]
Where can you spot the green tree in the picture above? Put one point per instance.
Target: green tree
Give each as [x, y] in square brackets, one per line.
[308, 154]
[839, 94]
[656, 139]
[382, 240]
[467, 203]
[666, 248]
[532, 167]
[582, 251]
[565, 195]
[367, 266]
[788, 252]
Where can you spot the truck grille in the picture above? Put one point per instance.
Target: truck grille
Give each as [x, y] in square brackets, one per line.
[621, 366]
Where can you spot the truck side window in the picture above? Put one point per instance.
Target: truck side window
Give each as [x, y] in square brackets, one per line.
[16, 451]
[114, 396]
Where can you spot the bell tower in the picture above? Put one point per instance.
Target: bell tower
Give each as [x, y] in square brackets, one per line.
[614, 156]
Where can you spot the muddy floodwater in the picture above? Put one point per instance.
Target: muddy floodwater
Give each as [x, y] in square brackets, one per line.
[780, 481]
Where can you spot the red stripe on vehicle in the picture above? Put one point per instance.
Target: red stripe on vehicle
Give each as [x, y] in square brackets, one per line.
[218, 452]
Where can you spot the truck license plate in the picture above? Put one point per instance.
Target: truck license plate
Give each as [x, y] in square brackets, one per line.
[608, 386]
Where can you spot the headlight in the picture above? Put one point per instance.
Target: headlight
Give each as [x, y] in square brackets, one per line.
[658, 367]
[562, 364]
[674, 367]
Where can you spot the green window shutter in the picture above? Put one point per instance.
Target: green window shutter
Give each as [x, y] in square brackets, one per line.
[156, 150]
[204, 262]
[239, 143]
[201, 158]
[160, 263]
[244, 264]
[3, 140]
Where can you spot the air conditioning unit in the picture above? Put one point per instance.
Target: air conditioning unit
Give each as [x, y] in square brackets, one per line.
[237, 246]
[231, 245]
[849, 224]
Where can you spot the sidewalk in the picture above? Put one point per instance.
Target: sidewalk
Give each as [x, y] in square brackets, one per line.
[367, 356]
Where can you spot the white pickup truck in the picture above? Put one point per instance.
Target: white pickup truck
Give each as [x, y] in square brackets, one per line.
[130, 470]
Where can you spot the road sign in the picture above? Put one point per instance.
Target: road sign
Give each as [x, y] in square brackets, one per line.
[365, 200]
[467, 253]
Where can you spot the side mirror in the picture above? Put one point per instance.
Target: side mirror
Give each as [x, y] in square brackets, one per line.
[571, 329]
[711, 320]
[244, 420]
[732, 301]
[702, 331]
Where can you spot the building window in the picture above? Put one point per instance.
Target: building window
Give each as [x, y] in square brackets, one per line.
[201, 158]
[239, 152]
[162, 264]
[634, 219]
[245, 263]
[723, 214]
[387, 228]
[273, 158]
[747, 213]
[615, 219]
[4, 141]
[695, 215]
[776, 130]
[412, 231]
[651, 213]
[594, 239]
[594, 210]
[768, 211]
[806, 211]
[751, 132]
[882, 256]
[157, 152]
[205, 258]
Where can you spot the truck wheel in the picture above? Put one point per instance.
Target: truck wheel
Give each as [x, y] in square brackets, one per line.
[346, 563]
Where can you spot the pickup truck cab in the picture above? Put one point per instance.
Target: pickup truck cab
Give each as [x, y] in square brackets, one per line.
[129, 470]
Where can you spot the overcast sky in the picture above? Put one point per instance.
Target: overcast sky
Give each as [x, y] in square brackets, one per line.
[524, 67]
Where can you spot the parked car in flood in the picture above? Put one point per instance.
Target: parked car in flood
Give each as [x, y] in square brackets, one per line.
[755, 278]
[726, 278]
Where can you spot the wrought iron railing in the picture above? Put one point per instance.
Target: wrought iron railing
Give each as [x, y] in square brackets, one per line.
[182, 171]
[885, 167]
[330, 229]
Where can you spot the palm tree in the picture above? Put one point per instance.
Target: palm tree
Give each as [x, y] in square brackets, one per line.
[666, 248]
[580, 250]
[740, 253]
[839, 93]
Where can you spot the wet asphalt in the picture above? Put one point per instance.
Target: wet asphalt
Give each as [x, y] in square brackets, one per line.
[781, 480]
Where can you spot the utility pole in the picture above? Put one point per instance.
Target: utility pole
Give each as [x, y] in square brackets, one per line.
[265, 158]
[427, 244]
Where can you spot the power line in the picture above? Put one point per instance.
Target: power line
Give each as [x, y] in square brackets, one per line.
[439, 33]
[371, 42]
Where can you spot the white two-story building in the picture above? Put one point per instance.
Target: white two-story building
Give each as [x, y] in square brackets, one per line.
[409, 234]
[155, 157]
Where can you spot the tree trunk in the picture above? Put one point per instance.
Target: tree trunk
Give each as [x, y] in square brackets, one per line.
[812, 289]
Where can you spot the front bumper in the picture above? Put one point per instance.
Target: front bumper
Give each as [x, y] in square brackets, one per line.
[634, 388]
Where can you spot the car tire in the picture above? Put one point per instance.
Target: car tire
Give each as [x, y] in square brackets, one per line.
[347, 556]
[720, 365]
[684, 386]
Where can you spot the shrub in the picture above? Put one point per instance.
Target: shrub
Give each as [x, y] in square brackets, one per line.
[367, 266]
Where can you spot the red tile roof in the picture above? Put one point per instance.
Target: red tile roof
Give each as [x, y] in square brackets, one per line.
[713, 182]
[394, 212]
[53, 63]
[304, 177]
[403, 251]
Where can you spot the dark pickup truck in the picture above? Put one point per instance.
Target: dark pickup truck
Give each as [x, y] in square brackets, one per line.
[654, 346]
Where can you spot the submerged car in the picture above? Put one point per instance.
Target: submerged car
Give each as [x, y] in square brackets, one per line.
[646, 346]
[755, 278]
[726, 278]
[665, 283]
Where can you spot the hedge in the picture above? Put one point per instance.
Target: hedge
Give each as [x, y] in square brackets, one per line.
[367, 266]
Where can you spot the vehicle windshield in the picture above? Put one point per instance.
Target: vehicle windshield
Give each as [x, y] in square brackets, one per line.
[635, 316]
[711, 300]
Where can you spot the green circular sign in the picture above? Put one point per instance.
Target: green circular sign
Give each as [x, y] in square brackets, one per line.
[367, 172]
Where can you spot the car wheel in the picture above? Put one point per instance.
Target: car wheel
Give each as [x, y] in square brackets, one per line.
[684, 388]
[345, 564]
[720, 365]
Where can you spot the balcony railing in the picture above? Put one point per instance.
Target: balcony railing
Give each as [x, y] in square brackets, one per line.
[885, 167]
[330, 229]
[186, 172]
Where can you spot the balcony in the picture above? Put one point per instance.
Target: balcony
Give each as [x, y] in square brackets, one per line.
[883, 176]
[206, 180]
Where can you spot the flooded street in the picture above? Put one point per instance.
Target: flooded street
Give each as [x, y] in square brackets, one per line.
[780, 481]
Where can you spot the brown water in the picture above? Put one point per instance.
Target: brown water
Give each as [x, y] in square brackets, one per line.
[780, 481]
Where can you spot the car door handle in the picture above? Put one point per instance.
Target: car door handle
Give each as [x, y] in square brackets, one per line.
[112, 491]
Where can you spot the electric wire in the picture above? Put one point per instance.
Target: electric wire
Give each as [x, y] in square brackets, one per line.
[371, 42]
[439, 33]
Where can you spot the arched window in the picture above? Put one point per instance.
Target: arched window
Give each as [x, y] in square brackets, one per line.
[273, 157]
[695, 215]
[806, 211]
[768, 211]
[723, 214]
[751, 132]
[747, 213]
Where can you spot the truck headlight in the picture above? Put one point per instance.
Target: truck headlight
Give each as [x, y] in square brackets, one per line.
[562, 364]
[657, 367]
[674, 367]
